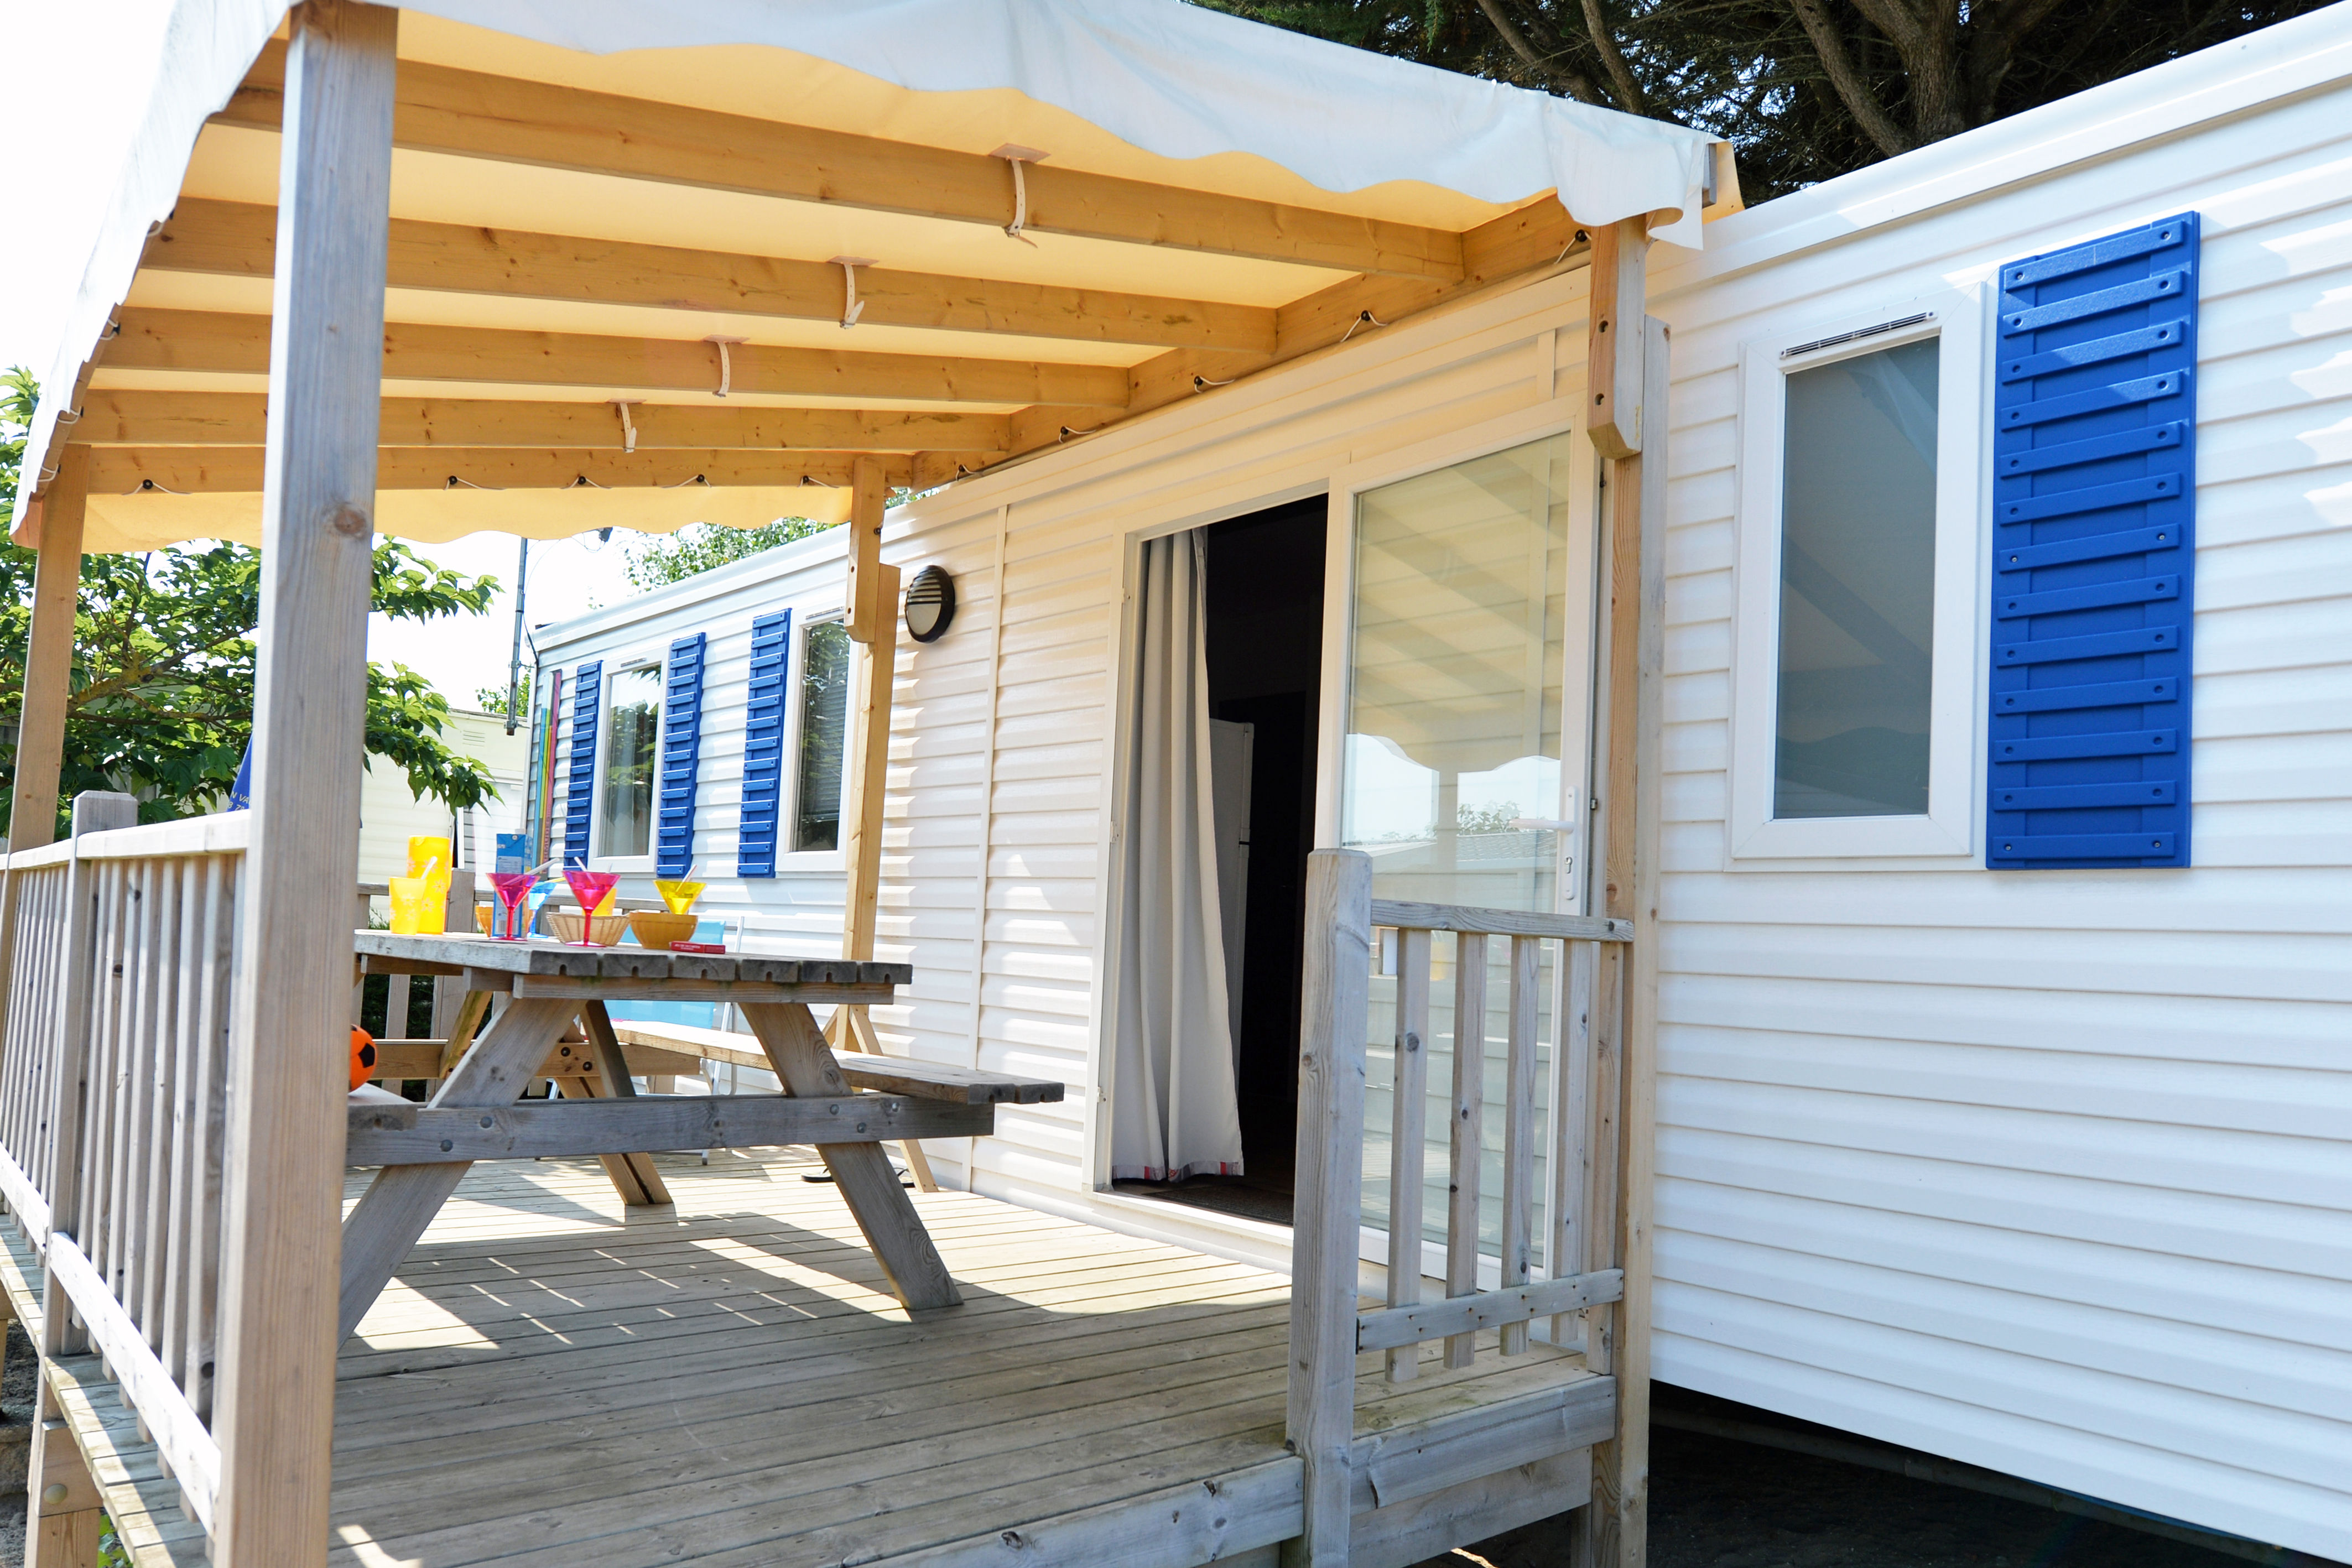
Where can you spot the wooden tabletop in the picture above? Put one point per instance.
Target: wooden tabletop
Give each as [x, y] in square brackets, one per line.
[527, 965]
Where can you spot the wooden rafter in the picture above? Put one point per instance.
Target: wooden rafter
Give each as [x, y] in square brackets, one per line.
[224, 342]
[472, 115]
[140, 418]
[1535, 236]
[201, 469]
[237, 239]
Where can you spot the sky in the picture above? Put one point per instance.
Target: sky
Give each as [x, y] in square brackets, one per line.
[90, 82]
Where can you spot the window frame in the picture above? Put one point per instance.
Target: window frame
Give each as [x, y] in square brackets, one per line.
[1950, 827]
[658, 661]
[1579, 708]
[789, 796]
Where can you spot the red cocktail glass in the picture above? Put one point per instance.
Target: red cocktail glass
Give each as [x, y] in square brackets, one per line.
[590, 888]
[513, 888]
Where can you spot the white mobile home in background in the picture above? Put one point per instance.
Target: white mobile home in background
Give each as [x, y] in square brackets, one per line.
[2038, 1165]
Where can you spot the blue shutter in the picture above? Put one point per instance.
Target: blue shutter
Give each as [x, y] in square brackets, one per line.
[763, 745]
[580, 787]
[681, 756]
[2093, 553]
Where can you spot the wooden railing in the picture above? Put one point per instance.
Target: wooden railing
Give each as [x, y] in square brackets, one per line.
[1575, 1151]
[113, 1103]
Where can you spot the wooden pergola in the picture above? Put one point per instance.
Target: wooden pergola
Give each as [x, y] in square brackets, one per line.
[425, 278]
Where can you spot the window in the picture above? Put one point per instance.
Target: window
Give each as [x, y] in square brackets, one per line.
[824, 730]
[1854, 726]
[1857, 586]
[632, 753]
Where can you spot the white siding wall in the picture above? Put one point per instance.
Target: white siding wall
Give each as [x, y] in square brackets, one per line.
[2048, 1171]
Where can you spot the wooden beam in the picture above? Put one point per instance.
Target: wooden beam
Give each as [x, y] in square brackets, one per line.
[140, 418]
[48, 658]
[1613, 355]
[867, 615]
[118, 470]
[569, 1129]
[1537, 237]
[233, 343]
[232, 239]
[274, 1405]
[512, 120]
[1403, 1325]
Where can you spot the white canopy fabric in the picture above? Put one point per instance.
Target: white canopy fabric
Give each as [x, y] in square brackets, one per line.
[1168, 80]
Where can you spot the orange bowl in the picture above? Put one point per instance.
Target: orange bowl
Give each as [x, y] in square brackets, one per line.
[658, 928]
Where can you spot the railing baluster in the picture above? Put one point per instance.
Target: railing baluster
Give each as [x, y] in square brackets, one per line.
[224, 894]
[163, 1122]
[1571, 1070]
[1407, 1136]
[1600, 1167]
[1466, 1151]
[1519, 1131]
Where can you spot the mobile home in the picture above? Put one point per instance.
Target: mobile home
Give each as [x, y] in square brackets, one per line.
[2001, 1003]
[463, 264]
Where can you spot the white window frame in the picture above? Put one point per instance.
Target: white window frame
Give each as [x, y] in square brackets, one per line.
[812, 862]
[658, 661]
[1950, 825]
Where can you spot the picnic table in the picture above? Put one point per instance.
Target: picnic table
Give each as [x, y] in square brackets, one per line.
[846, 1109]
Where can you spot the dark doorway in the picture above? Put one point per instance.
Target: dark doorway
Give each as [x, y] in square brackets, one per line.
[1265, 623]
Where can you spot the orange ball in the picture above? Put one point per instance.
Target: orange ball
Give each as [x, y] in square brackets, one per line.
[363, 1057]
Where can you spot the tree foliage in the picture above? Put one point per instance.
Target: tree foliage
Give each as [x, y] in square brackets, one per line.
[163, 684]
[698, 548]
[1805, 89]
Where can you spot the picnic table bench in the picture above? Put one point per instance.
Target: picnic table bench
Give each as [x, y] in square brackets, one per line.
[845, 1108]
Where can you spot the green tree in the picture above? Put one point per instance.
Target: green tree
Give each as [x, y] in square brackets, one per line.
[493, 700]
[162, 680]
[1805, 89]
[700, 546]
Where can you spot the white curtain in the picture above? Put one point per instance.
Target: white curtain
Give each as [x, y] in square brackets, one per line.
[1173, 1112]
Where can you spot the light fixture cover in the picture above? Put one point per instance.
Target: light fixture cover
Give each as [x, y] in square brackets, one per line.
[931, 604]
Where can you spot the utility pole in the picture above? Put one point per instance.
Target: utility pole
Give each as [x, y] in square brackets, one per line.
[514, 660]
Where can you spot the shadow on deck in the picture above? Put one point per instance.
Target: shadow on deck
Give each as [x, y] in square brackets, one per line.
[551, 1382]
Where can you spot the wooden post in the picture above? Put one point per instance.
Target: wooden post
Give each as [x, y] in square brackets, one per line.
[874, 627]
[48, 656]
[275, 1396]
[1328, 1209]
[64, 1512]
[1614, 356]
[1613, 1530]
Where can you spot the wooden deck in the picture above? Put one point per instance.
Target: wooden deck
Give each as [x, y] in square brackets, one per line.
[549, 1383]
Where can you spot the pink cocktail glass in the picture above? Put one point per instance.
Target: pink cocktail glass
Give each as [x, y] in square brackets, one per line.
[513, 888]
[590, 888]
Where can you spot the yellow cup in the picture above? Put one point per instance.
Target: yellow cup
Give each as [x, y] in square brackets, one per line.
[679, 895]
[428, 853]
[413, 898]
[609, 904]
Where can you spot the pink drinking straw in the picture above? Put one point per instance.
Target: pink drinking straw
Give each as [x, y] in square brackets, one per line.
[590, 888]
[513, 887]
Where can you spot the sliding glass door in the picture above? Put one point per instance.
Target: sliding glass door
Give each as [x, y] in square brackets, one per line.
[1463, 745]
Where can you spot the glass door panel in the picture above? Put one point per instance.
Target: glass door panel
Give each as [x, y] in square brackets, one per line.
[1453, 772]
